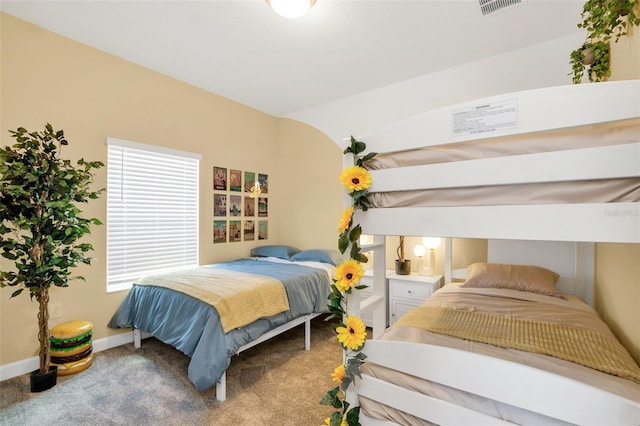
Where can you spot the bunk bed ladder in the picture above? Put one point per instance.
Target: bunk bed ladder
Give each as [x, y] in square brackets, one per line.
[377, 302]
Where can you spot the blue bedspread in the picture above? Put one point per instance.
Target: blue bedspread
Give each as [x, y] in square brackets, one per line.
[194, 327]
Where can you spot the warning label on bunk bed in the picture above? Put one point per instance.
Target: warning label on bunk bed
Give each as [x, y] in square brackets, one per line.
[485, 118]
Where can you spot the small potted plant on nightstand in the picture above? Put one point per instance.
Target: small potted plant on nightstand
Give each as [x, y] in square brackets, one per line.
[403, 265]
[41, 224]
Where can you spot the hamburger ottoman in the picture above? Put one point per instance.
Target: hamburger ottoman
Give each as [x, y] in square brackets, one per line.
[71, 347]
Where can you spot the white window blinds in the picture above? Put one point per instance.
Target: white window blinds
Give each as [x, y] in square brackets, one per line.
[152, 211]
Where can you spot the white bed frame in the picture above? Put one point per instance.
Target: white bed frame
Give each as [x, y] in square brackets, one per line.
[221, 384]
[531, 111]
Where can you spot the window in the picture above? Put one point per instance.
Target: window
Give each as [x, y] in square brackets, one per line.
[152, 211]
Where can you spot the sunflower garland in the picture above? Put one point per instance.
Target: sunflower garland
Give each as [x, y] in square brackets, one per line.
[351, 331]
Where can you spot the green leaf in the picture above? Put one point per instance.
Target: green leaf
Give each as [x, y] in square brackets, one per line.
[331, 398]
[343, 243]
[355, 233]
[369, 156]
[336, 418]
[353, 417]
[360, 356]
[355, 252]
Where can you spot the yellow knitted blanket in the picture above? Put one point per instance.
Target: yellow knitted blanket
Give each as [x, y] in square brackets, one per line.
[586, 347]
[239, 298]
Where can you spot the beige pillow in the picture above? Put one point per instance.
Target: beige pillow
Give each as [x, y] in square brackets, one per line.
[533, 279]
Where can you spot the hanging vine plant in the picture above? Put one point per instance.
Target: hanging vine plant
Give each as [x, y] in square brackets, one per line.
[604, 20]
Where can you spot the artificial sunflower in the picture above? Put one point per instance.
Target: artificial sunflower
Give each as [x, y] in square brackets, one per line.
[355, 178]
[348, 274]
[327, 422]
[338, 374]
[345, 219]
[352, 336]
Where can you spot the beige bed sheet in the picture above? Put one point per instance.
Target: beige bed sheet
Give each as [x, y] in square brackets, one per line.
[616, 133]
[570, 311]
[590, 191]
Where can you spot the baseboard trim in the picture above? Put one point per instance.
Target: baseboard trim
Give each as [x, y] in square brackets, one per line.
[25, 366]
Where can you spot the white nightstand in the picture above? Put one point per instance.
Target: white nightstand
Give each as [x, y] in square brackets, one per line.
[367, 280]
[408, 291]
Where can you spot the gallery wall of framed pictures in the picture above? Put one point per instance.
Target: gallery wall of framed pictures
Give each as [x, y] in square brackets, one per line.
[240, 205]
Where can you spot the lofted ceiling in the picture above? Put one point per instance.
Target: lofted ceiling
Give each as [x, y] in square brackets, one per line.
[242, 50]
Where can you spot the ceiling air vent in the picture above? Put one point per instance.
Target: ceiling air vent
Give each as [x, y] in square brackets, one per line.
[490, 6]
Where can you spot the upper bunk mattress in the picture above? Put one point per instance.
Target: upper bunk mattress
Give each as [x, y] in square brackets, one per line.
[584, 190]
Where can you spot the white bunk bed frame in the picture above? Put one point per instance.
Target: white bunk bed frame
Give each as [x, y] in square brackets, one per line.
[538, 110]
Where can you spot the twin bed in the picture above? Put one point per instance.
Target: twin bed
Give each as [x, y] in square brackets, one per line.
[542, 175]
[213, 312]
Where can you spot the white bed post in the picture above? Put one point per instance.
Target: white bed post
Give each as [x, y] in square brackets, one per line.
[379, 305]
[448, 262]
[221, 388]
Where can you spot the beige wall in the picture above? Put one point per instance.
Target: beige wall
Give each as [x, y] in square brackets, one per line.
[617, 293]
[93, 95]
[617, 290]
[309, 169]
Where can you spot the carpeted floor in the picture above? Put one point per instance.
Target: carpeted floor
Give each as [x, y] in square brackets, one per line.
[274, 383]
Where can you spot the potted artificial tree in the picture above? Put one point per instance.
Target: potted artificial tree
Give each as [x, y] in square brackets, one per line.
[604, 20]
[403, 265]
[41, 224]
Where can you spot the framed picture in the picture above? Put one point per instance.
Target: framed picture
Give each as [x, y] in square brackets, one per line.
[235, 180]
[219, 204]
[220, 178]
[249, 206]
[235, 206]
[249, 181]
[264, 183]
[263, 206]
[235, 232]
[219, 231]
[263, 229]
[249, 230]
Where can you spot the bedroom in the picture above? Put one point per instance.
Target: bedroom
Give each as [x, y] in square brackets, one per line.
[108, 96]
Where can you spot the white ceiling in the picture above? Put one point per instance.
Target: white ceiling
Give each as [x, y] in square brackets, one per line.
[242, 50]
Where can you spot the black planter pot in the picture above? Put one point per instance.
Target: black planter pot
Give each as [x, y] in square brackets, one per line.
[403, 267]
[42, 382]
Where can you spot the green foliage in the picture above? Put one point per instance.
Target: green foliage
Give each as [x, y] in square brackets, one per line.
[604, 20]
[353, 359]
[360, 198]
[607, 19]
[592, 57]
[41, 221]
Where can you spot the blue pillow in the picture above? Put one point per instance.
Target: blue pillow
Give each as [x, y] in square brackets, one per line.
[281, 251]
[319, 255]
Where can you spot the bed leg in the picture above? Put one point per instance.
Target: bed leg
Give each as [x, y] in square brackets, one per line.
[307, 334]
[221, 388]
[137, 338]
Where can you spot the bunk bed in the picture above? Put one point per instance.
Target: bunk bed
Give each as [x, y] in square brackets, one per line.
[213, 312]
[532, 172]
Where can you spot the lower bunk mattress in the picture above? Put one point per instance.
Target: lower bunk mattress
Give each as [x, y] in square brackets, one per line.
[440, 321]
[185, 318]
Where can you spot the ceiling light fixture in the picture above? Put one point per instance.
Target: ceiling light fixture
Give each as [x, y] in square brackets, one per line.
[291, 8]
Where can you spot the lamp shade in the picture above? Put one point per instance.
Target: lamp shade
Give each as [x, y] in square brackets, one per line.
[291, 8]
[419, 250]
[431, 242]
